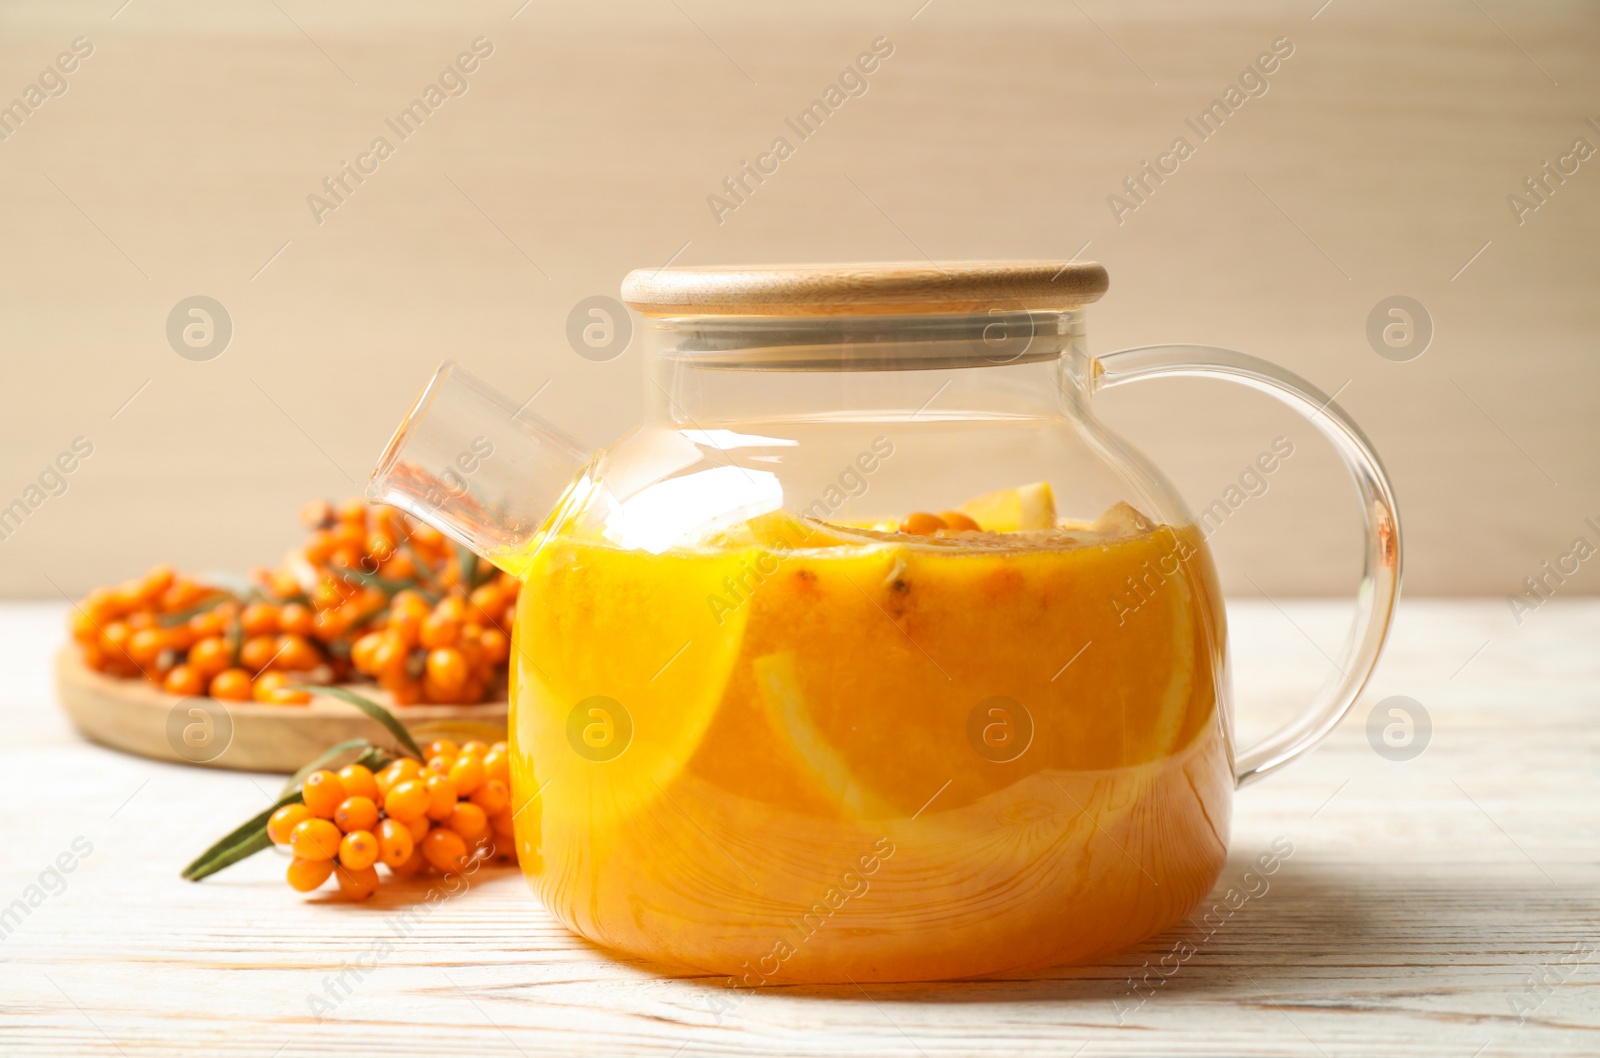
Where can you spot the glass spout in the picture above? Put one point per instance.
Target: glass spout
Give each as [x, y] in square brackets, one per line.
[475, 466]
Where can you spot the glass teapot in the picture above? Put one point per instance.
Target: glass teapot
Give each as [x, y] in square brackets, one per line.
[870, 654]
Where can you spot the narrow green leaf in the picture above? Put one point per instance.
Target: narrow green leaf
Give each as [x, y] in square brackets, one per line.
[244, 840]
[372, 709]
[249, 846]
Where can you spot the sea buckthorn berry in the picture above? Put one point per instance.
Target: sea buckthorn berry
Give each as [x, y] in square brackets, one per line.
[487, 603]
[208, 624]
[145, 644]
[284, 584]
[441, 747]
[492, 796]
[408, 800]
[444, 849]
[314, 839]
[503, 824]
[388, 656]
[182, 594]
[921, 523]
[231, 684]
[447, 668]
[495, 646]
[356, 813]
[353, 512]
[364, 652]
[395, 843]
[398, 566]
[282, 822]
[388, 779]
[156, 582]
[257, 652]
[960, 522]
[497, 764]
[358, 849]
[209, 656]
[379, 547]
[408, 601]
[273, 688]
[441, 797]
[331, 623]
[306, 875]
[468, 820]
[323, 793]
[357, 884]
[115, 635]
[476, 747]
[407, 767]
[259, 619]
[467, 773]
[414, 863]
[440, 765]
[419, 827]
[439, 631]
[295, 619]
[294, 653]
[359, 781]
[184, 679]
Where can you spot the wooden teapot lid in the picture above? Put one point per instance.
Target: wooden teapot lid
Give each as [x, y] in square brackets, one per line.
[867, 289]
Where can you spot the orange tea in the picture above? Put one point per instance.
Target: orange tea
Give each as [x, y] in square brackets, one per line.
[811, 753]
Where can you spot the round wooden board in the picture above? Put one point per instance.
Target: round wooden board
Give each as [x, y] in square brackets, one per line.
[135, 717]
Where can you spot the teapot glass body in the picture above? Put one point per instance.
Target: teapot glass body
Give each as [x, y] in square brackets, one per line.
[870, 654]
[779, 727]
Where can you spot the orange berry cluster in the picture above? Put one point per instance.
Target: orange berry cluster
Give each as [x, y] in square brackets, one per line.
[190, 638]
[370, 593]
[452, 652]
[409, 817]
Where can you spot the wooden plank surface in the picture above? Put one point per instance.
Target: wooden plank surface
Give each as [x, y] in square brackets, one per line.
[1425, 906]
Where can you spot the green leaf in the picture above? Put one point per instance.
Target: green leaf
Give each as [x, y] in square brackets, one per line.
[372, 709]
[247, 839]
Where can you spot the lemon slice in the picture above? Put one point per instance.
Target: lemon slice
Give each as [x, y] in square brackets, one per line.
[1010, 510]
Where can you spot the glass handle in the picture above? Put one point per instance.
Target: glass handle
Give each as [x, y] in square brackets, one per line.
[1380, 577]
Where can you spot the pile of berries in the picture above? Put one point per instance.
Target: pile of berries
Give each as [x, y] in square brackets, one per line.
[409, 817]
[371, 593]
[190, 638]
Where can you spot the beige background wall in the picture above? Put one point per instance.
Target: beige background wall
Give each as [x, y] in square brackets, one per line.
[1379, 162]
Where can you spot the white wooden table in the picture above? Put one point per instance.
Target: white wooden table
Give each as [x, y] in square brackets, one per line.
[1445, 905]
